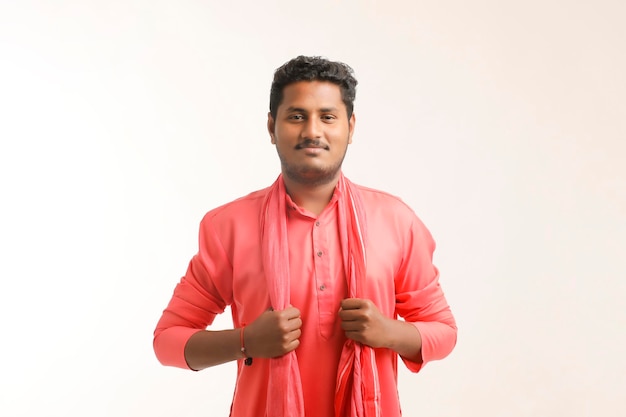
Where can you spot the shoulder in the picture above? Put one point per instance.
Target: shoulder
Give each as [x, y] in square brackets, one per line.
[377, 200]
[242, 208]
[390, 210]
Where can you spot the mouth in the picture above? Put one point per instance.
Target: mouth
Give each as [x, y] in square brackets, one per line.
[310, 144]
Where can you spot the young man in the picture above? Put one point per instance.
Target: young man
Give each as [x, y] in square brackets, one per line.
[316, 271]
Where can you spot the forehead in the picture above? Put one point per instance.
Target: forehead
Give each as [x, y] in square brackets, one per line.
[312, 95]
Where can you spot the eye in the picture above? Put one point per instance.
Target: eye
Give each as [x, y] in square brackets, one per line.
[295, 116]
[328, 118]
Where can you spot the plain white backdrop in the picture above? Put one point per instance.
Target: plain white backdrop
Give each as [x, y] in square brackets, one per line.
[503, 124]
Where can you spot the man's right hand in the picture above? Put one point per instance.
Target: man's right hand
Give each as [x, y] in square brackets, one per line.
[273, 333]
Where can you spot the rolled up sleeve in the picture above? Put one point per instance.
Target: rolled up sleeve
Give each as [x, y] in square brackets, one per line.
[203, 292]
[420, 299]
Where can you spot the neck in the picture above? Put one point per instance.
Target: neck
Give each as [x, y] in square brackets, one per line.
[313, 198]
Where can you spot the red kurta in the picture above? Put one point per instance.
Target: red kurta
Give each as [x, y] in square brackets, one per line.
[401, 281]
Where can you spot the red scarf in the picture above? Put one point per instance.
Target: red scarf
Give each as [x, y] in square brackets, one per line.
[357, 392]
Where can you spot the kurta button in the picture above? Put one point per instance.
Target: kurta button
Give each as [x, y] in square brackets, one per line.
[322, 287]
[317, 223]
[319, 253]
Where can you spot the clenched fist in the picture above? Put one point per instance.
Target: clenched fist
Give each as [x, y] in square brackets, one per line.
[363, 322]
[273, 333]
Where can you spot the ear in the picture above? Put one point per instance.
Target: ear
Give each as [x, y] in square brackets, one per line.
[351, 124]
[270, 127]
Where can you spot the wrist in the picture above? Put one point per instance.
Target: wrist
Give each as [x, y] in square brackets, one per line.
[242, 346]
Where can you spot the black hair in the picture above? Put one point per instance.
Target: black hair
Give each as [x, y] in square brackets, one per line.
[313, 68]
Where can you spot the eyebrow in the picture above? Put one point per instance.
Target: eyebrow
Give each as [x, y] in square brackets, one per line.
[301, 110]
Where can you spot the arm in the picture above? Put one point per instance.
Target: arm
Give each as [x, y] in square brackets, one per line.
[428, 331]
[202, 294]
[420, 300]
[209, 348]
[181, 338]
[272, 334]
[364, 323]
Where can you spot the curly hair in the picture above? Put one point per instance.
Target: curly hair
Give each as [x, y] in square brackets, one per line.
[313, 68]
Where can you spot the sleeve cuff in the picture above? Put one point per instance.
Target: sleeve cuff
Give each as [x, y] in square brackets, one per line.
[438, 340]
[169, 346]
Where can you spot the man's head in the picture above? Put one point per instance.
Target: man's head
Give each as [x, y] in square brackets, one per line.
[311, 120]
[305, 68]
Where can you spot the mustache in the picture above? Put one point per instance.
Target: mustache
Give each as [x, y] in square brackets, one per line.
[311, 143]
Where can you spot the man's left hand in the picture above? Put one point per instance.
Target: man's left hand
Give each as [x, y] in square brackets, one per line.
[363, 322]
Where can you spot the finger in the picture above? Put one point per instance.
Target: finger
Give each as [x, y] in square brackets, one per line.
[291, 312]
[294, 324]
[295, 335]
[291, 341]
[349, 315]
[351, 326]
[293, 345]
[351, 303]
[354, 335]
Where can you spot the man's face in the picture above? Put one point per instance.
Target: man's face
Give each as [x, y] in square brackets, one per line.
[311, 131]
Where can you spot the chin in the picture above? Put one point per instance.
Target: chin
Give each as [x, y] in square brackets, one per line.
[311, 176]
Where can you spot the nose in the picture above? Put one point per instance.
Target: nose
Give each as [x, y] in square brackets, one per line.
[312, 129]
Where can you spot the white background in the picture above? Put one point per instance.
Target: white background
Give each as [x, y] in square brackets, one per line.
[503, 124]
